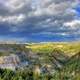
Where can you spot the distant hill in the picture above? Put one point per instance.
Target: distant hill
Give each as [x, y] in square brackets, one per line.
[69, 48]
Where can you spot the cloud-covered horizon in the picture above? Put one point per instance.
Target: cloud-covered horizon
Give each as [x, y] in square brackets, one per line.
[40, 20]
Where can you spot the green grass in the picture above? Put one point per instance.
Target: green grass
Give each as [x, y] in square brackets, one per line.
[68, 48]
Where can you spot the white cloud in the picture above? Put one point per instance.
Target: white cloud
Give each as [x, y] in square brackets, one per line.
[50, 7]
[14, 5]
[15, 19]
[74, 24]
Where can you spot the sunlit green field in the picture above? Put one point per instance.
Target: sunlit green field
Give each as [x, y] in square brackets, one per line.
[70, 48]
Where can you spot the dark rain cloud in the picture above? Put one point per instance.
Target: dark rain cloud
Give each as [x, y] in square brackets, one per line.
[31, 18]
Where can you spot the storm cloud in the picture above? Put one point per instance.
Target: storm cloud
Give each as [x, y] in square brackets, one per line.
[43, 19]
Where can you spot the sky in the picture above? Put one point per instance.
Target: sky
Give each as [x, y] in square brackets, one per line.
[39, 20]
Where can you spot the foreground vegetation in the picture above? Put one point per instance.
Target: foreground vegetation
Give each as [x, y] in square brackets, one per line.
[48, 61]
[70, 71]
